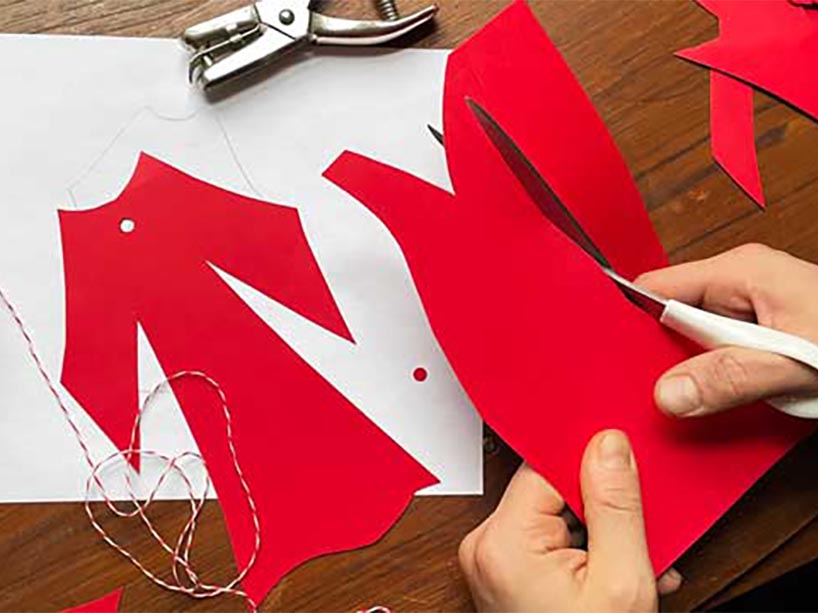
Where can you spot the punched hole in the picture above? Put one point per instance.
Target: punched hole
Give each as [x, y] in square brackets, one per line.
[420, 374]
[127, 226]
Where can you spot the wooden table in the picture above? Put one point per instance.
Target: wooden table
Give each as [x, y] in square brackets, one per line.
[657, 109]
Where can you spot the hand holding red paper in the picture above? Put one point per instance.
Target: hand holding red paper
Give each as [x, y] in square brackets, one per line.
[521, 558]
[536, 332]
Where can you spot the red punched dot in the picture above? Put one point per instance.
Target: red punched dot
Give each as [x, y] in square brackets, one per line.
[420, 374]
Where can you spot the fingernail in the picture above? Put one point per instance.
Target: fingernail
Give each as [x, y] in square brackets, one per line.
[614, 450]
[674, 575]
[678, 395]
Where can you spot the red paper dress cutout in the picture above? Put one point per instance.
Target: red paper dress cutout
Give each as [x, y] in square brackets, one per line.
[767, 44]
[546, 346]
[107, 604]
[324, 477]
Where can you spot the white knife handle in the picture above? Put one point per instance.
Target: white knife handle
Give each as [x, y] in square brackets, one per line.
[710, 331]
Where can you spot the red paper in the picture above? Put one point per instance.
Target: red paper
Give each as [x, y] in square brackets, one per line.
[767, 44]
[324, 477]
[546, 346]
[107, 604]
[732, 138]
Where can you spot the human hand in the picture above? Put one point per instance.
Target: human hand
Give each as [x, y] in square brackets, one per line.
[521, 559]
[753, 283]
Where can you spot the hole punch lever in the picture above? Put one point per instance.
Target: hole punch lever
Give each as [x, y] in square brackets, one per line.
[246, 39]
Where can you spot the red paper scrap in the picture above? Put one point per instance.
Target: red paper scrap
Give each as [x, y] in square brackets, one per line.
[767, 44]
[732, 138]
[323, 476]
[107, 604]
[545, 344]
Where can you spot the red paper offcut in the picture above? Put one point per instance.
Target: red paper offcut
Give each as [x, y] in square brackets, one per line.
[324, 477]
[732, 136]
[107, 604]
[767, 44]
[547, 347]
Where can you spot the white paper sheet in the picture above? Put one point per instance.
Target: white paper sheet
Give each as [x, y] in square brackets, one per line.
[74, 114]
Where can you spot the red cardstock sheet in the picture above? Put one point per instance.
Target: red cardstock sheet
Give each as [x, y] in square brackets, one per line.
[107, 604]
[766, 44]
[323, 476]
[547, 347]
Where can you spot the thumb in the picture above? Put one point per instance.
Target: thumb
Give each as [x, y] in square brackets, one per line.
[617, 550]
[728, 377]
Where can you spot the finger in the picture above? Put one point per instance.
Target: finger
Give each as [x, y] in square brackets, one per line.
[545, 533]
[530, 514]
[728, 377]
[720, 284]
[465, 552]
[613, 512]
[528, 495]
[685, 282]
[669, 582]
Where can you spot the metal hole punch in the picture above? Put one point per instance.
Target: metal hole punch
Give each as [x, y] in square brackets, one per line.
[246, 39]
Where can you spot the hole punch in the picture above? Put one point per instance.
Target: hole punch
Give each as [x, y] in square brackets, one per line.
[248, 38]
[126, 226]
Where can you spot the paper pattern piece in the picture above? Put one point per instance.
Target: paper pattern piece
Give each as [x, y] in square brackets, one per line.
[547, 347]
[307, 453]
[763, 44]
[107, 604]
[120, 96]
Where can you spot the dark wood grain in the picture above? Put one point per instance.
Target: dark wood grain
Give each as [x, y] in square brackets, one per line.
[745, 541]
[799, 550]
[656, 107]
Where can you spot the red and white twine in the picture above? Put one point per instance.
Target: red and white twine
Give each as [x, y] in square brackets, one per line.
[192, 585]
